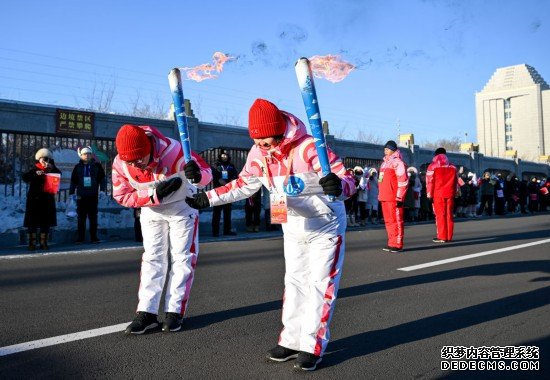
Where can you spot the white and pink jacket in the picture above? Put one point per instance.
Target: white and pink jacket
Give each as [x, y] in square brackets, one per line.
[134, 187]
[300, 182]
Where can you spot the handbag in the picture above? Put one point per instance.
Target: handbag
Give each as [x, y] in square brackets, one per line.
[52, 182]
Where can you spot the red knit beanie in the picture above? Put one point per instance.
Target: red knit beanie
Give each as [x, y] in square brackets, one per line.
[132, 143]
[265, 120]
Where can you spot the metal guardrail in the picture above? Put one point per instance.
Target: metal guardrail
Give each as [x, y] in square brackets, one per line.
[17, 151]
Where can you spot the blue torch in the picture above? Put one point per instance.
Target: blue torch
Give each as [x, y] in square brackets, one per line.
[309, 96]
[174, 79]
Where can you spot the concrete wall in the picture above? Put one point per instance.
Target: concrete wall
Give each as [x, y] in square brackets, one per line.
[29, 117]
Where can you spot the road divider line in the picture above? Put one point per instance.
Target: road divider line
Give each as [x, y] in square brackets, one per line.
[9, 350]
[466, 257]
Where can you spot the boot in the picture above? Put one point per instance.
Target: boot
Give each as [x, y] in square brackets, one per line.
[32, 241]
[352, 219]
[44, 241]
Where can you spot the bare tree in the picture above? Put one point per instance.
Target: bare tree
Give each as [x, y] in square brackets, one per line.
[368, 137]
[197, 106]
[451, 144]
[101, 97]
[223, 117]
[156, 110]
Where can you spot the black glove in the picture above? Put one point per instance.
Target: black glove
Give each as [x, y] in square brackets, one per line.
[399, 204]
[192, 171]
[332, 184]
[168, 187]
[199, 201]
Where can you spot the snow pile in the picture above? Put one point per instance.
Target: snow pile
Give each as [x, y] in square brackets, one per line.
[12, 213]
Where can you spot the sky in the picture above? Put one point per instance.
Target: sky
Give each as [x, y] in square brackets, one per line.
[418, 63]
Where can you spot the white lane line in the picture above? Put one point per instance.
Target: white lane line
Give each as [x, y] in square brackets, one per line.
[8, 350]
[466, 257]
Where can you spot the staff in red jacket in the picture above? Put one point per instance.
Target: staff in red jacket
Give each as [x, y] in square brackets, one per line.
[393, 181]
[441, 183]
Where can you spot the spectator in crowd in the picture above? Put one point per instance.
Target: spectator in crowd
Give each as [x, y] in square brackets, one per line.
[412, 199]
[544, 194]
[252, 211]
[487, 191]
[511, 191]
[224, 172]
[499, 195]
[88, 180]
[350, 203]
[362, 195]
[284, 160]
[472, 199]
[393, 183]
[533, 194]
[462, 195]
[441, 184]
[149, 173]
[522, 195]
[40, 212]
[372, 196]
[426, 210]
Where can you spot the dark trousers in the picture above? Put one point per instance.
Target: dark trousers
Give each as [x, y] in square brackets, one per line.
[486, 199]
[86, 208]
[216, 216]
[252, 214]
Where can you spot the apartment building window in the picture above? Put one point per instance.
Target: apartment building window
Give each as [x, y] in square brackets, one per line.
[508, 115]
[508, 127]
[508, 138]
[508, 147]
[506, 104]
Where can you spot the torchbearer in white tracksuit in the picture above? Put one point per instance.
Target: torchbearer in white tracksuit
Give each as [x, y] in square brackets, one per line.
[150, 172]
[284, 160]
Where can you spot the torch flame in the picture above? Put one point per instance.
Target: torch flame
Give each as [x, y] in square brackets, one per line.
[206, 70]
[330, 67]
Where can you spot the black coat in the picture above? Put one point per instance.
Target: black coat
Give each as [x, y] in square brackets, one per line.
[97, 175]
[40, 208]
[217, 170]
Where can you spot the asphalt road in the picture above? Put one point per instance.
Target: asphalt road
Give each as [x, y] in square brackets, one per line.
[388, 323]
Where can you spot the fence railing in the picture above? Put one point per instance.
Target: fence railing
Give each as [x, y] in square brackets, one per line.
[17, 150]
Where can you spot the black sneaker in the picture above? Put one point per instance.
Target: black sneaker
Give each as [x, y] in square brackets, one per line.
[395, 250]
[438, 240]
[281, 354]
[172, 322]
[141, 323]
[307, 361]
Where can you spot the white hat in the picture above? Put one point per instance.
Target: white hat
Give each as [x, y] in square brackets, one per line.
[42, 153]
[84, 150]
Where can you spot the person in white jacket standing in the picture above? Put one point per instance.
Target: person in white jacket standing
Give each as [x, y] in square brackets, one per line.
[362, 194]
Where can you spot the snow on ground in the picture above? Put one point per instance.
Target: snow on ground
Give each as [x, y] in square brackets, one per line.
[12, 213]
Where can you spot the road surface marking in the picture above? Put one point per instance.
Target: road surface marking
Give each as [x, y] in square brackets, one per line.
[466, 257]
[8, 350]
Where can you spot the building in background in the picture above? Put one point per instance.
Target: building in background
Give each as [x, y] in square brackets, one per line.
[513, 114]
